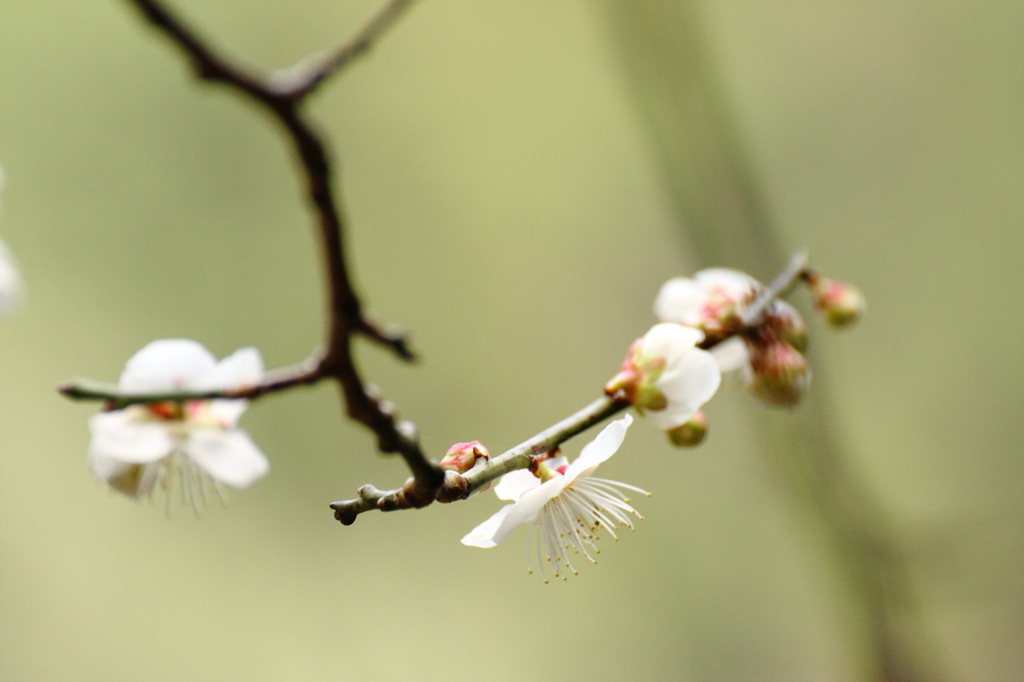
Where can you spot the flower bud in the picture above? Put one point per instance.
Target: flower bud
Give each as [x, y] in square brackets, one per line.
[780, 373]
[636, 379]
[462, 456]
[691, 433]
[785, 324]
[841, 303]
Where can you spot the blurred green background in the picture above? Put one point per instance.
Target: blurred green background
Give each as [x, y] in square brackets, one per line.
[511, 203]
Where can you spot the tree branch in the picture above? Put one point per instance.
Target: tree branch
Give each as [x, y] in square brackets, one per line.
[780, 286]
[345, 310]
[303, 78]
[309, 371]
[458, 487]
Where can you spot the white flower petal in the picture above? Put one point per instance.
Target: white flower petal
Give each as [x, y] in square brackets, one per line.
[731, 354]
[120, 436]
[670, 341]
[680, 300]
[168, 365]
[226, 412]
[557, 462]
[599, 449]
[105, 468]
[513, 484]
[242, 368]
[527, 507]
[228, 456]
[687, 386]
[733, 283]
[10, 282]
[483, 535]
[134, 480]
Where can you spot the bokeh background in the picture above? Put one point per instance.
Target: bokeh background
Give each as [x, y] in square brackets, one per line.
[518, 185]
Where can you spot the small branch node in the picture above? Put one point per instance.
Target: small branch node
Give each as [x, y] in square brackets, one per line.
[455, 488]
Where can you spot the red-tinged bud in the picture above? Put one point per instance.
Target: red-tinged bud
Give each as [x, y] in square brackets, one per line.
[780, 373]
[841, 303]
[636, 379]
[462, 456]
[691, 433]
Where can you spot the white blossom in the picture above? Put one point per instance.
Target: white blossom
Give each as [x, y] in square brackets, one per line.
[666, 377]
[136, 448]
[567, 503]
[11, 287]
[712, 300]
[709, 298]
[690, 376]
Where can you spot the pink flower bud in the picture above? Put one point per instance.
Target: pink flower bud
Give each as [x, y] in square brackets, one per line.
[780, 373]
[841, 303]
[691, 433]
[636, 379]
[462, 456]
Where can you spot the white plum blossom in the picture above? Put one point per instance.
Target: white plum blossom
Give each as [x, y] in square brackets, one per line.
[712, 301]
[666, 377]
[707, 300]
[567, 502]
[10, 279]
[136, 448]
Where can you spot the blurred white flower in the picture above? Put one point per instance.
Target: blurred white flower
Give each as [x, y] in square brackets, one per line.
[768, 358]
[709, 301]
[567, 502]
[666, 377]
[10, 279]
[10, 282]
[138, 447]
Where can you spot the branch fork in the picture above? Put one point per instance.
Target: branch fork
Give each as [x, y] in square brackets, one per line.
[282, 93]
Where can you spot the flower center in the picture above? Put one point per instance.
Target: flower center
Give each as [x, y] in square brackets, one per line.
[546, 473]
[168, 410]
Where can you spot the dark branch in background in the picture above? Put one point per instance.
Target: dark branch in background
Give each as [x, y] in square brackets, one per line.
[718, 197]
[282, 94]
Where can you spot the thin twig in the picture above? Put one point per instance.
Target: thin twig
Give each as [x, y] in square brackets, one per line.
[307, 372]
[780, 286]
[459, 487]
[345, 310]
[303, 78]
